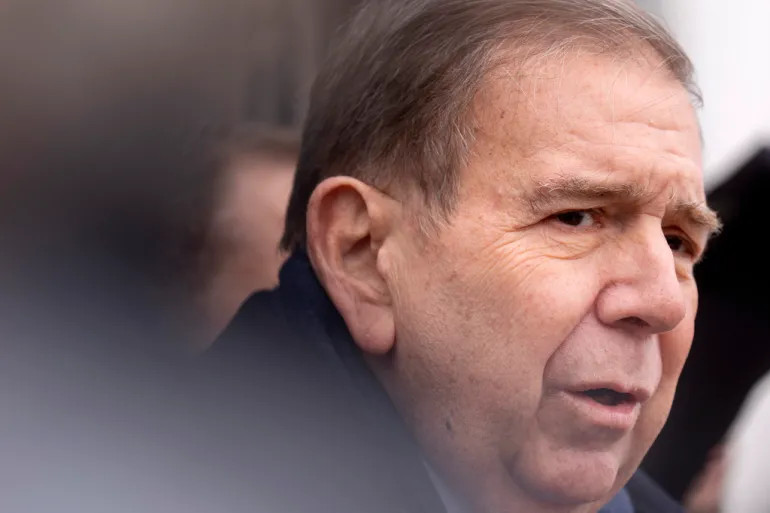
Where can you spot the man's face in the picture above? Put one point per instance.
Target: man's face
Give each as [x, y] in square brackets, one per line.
[540, 335]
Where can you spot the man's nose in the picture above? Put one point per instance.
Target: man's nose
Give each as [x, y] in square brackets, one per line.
[643, 292]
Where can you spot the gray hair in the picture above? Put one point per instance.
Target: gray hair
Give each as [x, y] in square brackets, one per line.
[391, 106]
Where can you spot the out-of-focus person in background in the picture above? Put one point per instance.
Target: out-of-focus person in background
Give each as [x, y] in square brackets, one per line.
[108, 122]
[241, 251]
[112, 119]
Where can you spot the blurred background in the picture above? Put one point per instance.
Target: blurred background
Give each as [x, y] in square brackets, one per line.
[147, 148]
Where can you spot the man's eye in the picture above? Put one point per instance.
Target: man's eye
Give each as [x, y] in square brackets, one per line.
[679, 244]
[577, 218]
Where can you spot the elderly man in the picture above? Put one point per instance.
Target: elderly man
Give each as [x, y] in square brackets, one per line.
[494, 222]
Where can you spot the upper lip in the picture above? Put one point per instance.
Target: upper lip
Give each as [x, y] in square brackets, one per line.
[638, 394]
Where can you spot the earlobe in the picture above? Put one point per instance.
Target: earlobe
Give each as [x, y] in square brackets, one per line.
[374, 332]
[348, 230]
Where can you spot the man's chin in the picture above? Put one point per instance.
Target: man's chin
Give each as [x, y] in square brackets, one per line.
[570, 477]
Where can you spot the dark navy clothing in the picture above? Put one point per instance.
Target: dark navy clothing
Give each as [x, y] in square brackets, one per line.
[621, 503]
[312, 424]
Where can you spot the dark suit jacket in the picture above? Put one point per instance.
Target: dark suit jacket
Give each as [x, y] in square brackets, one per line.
[307, 419]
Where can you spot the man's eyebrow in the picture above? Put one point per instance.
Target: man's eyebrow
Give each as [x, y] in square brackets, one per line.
[547, 193]
[699, 215]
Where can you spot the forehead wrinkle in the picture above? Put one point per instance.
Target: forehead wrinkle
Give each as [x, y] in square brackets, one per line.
[673, 126]
[639, 58]
[621, 70]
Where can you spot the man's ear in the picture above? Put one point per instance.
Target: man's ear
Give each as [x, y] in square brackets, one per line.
[348, 223]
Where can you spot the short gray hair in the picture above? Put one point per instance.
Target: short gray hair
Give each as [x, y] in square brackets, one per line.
[391, 105]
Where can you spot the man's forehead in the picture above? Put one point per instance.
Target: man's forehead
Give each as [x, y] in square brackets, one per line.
[548, 94]
[593, 113]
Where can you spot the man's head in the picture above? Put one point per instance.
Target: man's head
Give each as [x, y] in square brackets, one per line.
[240, 253]
[504, 201]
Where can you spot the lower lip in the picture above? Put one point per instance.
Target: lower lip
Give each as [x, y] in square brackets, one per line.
[619, 417]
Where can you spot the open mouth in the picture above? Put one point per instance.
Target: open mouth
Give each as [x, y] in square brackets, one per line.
[608, 397]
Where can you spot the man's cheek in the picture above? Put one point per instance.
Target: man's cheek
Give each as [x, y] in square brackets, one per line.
[675, 346]
[557, 293]
[561, 244]
[654, 414]
[509, 267]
